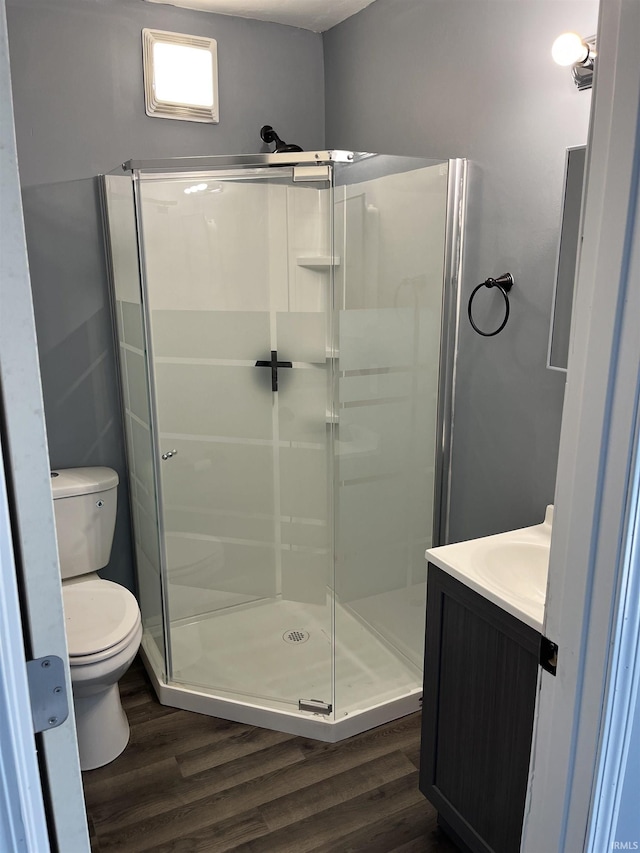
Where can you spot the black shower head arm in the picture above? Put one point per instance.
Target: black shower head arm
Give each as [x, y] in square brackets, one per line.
[268, 135]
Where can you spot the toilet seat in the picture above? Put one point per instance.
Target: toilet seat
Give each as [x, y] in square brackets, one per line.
[101, 618]
[86, 660]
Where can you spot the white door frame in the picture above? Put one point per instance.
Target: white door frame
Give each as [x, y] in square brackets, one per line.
[28, 485]
[590, 559]
[23, 825]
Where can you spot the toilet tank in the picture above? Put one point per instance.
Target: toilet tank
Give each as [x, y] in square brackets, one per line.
[84, 503]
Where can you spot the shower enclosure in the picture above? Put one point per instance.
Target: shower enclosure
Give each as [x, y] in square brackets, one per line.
[286, 334]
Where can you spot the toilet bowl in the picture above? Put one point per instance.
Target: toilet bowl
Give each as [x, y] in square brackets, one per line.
[104, 630]
[102, 618]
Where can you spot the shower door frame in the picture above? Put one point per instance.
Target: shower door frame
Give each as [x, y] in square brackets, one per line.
[179, 696]
[225, 168]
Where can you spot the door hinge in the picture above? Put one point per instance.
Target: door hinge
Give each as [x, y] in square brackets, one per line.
[48, 692]
[314, 705]
[548, 655]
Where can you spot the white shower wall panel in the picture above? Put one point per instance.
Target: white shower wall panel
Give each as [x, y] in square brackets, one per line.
[303, 334]
[242, 476]
[236, 246]
[193, 400]
[209, 334]
[407, 218]
[308, 235]
[209, 251]
[302, 405]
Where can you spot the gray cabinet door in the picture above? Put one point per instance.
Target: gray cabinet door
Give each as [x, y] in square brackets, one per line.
[479, 697]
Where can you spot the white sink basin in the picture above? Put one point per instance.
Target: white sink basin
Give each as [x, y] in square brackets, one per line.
[509, 569]
[517, 568]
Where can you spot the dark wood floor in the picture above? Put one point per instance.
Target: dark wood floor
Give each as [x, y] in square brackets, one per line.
[187, 782]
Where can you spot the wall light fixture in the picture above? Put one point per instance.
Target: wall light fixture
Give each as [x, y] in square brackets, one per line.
[580, 53]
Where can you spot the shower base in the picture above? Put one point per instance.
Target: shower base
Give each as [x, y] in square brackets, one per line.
[283, 650]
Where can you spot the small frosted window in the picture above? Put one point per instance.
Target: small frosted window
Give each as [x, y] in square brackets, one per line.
[180, 76]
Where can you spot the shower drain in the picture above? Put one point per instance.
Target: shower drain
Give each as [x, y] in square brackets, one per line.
[295, 636]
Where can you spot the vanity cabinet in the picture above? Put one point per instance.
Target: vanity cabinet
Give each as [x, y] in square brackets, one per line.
[481, 669]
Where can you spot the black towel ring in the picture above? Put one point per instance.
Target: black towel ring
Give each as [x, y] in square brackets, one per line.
[504, 283]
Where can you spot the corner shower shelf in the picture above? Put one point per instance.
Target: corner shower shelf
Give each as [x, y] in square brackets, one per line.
[318, 262]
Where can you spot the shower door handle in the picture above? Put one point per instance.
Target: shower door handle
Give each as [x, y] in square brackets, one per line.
[169, 454]
[274, 364]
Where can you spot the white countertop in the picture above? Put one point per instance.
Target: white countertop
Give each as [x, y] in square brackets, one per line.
[510, 569]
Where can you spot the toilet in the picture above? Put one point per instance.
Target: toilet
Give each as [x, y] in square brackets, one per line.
[102, 619]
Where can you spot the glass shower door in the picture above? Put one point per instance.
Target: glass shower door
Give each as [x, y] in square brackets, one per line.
[391, 215]
[238, 294]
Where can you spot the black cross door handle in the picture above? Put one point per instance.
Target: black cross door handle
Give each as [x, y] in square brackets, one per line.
[274, 364]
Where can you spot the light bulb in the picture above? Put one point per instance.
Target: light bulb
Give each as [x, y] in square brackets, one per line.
[569, 49]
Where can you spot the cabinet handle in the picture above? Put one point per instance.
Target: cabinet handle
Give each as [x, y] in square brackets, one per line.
[169, 454]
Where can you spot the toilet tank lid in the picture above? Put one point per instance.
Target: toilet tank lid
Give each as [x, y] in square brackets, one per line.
[69, 482]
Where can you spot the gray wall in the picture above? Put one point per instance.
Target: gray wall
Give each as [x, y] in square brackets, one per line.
[474, 79]
[79, 108]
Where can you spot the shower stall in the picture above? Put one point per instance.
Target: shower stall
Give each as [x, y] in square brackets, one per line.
[286, 329]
